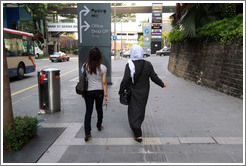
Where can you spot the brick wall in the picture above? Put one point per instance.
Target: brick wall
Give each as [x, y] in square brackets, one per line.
[210, 64]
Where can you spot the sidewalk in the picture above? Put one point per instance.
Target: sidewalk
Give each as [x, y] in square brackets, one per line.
[184, 123]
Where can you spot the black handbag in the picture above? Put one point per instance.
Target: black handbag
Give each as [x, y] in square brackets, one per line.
[126, 95]
[82, 85]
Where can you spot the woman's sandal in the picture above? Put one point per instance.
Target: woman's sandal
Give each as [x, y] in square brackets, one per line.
[138, 139]
[87, 138]
[100, 128]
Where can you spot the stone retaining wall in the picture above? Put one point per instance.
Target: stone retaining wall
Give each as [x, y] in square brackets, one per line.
[211, 64]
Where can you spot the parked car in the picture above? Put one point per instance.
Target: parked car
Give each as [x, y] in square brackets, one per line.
[59, 56]
[164, 51]
[146, 53]
[112, 52]
[126, 54]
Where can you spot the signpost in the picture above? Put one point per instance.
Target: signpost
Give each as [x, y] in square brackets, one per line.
[156, 32]
[94, 28]
[146, 37]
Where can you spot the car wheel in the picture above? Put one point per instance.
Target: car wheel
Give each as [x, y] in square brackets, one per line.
[52, 60]
[37, 56]
[67, 59]
[20, 71]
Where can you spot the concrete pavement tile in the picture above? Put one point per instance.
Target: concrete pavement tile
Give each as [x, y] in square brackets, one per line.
[169, 140]
[211, 158]
[53, 154]
[177, 158]
[123, 158]
[105, 149]
[155, 157]
[79, 157]
[229, 140]
[53, 125]
[121, 141]
[134, 149]
[237, 156]
[68, 134]
[151, 141]
[196, 140]
[96, 141]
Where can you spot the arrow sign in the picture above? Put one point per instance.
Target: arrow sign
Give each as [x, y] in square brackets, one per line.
[86, 26]
[86, 10]
[146, 31]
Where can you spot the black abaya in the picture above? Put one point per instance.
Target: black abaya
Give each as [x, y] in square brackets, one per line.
[139, 92]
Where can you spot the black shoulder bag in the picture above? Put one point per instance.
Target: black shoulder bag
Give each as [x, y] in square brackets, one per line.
[82, 85]
[126, 95]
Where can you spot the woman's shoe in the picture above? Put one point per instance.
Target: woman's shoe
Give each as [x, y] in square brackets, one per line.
[100, 128]
[139, 139]
[87, 138]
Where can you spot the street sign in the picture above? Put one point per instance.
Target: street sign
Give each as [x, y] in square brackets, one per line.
[114, 37]
[94, 21]
[94, 29]
[147, 31]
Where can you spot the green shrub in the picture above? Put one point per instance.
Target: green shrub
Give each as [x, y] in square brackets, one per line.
[226, 31]
[20, 132]
[176, 36]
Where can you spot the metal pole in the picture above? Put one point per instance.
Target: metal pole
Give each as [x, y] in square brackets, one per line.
[115, 30]
[121, 41]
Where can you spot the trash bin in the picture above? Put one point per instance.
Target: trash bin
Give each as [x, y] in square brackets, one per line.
[49, 90]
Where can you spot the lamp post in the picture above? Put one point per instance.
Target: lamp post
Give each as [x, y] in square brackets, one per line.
[114, 30]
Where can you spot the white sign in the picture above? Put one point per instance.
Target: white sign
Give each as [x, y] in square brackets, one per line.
[62, 27]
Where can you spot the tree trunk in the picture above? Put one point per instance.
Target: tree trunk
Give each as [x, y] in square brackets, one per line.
[7, 102]
[178, 12]
[46, 41]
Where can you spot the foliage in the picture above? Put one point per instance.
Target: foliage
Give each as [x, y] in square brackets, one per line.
[226, 31]
[228, 10]
[176, 36]
[41, 10]
[122, 17]
[20, 132]
[196, 16]
[165, 39]
[140, 41]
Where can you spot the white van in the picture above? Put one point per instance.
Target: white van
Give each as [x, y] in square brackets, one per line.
[38, 51]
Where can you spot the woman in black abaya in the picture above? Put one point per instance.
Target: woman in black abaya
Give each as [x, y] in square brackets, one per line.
[136, 78]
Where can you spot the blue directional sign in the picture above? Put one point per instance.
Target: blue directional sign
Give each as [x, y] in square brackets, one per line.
[146, 31]
[114, 37]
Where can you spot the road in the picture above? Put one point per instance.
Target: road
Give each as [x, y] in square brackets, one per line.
[26, 91]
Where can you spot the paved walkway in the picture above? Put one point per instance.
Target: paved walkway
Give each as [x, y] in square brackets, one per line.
[184, 123]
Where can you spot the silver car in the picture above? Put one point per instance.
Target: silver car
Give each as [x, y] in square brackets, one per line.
[164, 51]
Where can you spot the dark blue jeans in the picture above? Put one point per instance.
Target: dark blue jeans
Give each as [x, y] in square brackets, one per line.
[90, 97]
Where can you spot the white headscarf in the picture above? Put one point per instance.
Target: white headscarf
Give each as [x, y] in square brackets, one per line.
[136, 53]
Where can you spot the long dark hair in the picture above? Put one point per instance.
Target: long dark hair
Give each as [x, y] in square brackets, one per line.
[94, 60]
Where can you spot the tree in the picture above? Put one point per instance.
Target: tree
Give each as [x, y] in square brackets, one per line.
[165, 40]
[7, 103]
[40, 11]
[190, 16]
[123, 17]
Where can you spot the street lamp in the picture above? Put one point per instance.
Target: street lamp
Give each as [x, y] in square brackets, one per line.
[121, 40]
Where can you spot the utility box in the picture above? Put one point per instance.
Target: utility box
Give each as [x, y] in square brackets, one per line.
[49, 90]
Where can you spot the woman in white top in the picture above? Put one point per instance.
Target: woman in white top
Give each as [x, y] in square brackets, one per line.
[97, 90]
